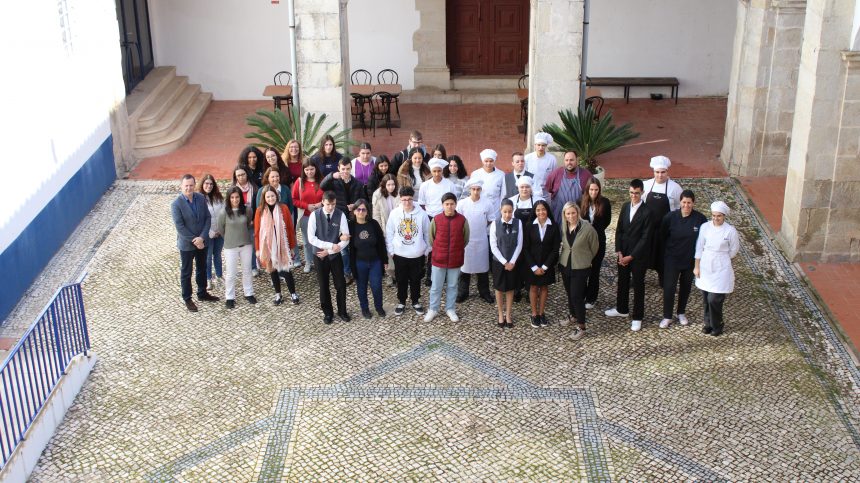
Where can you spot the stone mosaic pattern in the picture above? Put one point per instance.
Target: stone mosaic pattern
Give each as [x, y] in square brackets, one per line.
[266, 393]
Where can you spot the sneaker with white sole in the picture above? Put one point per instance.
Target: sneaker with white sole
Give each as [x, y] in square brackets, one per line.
[683, 319]
[636, 325]
[589, 306]
[576, 334]
[431, 314]
[613, 312]
[307, 268]
[255, 272]
[398, 311]
[418, 308]
[664, 324]
[452, 315]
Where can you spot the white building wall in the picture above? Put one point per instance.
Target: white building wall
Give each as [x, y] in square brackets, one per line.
[375, 44]
[233, 48]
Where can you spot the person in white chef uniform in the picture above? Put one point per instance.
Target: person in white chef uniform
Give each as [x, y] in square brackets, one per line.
[479, 214]
[493, 188]
[541, 163]
[717, 244]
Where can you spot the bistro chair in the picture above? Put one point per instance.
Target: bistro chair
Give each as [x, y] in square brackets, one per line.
[358, 110]
[389, 76]
[283, 78]
[523, 83]
[380, 110]
[361, 77]
[596, 103]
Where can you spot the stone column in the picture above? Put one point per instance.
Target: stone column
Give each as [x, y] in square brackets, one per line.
[323, 58]
[819, 219]
[555, 57]
[430, 45]
[762, 86]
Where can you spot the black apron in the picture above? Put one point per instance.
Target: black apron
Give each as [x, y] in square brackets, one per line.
[658, 204]
[525, 214]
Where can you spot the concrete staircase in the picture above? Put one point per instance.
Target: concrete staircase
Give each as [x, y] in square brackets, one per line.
[498, 89]
[163, 110]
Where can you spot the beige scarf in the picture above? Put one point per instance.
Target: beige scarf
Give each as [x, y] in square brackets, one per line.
[274, 252]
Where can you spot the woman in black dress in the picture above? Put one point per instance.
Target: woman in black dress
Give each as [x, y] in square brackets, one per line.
[540, 249]
[597, 210]
[506, 244]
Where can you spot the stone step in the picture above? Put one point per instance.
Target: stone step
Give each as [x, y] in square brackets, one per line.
[462, 96]
[177, 136]
[148, 90]
[162, 102]
[485, 82]
[170, 115]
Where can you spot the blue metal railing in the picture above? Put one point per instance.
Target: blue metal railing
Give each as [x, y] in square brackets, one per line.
[37, 362]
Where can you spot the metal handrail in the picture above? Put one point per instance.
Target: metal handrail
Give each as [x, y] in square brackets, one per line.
[34, 367]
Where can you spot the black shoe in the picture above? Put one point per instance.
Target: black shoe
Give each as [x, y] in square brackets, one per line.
[380, 312]
[707, 329]
[190, 305]
[295, 298]
[278, 299]
[543, 321]
[462, 298]
[509, 324]
[716, 333]
[535, 320]
[501, 323]
[231, 304]
[488, 298]
[328, 319]
[207, 297]
[344, 317]
[366, 314]
[518, 296]
[251, 299]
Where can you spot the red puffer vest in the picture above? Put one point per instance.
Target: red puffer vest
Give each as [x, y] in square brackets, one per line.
[448, 245]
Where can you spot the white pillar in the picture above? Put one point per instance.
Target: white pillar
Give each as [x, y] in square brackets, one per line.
[430, 44]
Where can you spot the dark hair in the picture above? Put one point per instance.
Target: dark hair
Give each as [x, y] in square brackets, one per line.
[216, 193]
[269, 171]
[243, 156]
[365, 145]
[412, 153]
[406, 168]
[329, 196]
[545, 204]
[586, 202]
[317, 173]
[384, 181]
[325, 138]
[282, 167]
[379, 160]
[637, 183]
[517, 153]
[265, 190]
[244, 168]
[449, 196]
[416, 134]
[441, 148]
[407, 191]
[344, 162]
[361, 202]
[186, 176]
[688, 194]
[506, 202]
[229, 208]
[461, 169]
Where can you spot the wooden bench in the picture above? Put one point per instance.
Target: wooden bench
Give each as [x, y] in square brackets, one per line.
[628, 82]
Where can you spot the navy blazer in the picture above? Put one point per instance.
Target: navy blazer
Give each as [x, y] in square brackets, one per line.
[190, 225]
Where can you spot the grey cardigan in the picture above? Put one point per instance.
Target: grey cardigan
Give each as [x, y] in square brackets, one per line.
[584, 248]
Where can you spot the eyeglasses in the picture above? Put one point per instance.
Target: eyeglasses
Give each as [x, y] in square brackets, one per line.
[242, 175]
[360, 210]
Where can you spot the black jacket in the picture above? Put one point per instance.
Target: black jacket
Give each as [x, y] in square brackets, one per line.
[511, 183]
[537, 252]
[397, 160]
[600, 223]
[634, 237]
[346, 193]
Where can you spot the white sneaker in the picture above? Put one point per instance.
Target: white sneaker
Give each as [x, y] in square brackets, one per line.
[296, 263]
[452, 315]
[683, 319]
[210, 285]
[664, 324]
[589, 306]
[636, 325]
[614, 313]
[431, 314]
[307, 268]
[255, 272]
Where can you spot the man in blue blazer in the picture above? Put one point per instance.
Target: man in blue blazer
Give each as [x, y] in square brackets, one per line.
[192, 219]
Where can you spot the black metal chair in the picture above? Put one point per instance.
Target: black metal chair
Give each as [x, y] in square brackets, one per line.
[283, 78]
[389, 76]
[380, 110]
[361, 77]
[523, 83]
[596, 102]
[358, 110]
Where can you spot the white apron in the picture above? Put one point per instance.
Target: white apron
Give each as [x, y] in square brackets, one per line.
[716, 247]
[477, 255]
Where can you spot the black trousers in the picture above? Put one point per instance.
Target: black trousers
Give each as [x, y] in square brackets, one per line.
[622, 298]
[592, 286]
[574, 284]
[331, 268]
[671, 277]
[466, 279]
[408, 273]
[198, 257]
[713, 303]
[276, 281]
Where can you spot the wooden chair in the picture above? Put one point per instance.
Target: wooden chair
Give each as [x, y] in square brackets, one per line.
[389, 76]
[380, 110]
[360, 77]
[283, 78]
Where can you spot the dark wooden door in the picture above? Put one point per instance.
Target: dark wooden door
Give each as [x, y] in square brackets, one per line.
[487, 37]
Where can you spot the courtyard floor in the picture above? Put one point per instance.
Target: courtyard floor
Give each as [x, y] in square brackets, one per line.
[264, 393]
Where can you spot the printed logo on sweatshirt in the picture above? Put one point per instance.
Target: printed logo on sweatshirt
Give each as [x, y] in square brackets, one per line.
[408, 230]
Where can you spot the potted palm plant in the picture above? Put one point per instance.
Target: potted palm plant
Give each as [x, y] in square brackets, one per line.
[588, 136]
[275, 128]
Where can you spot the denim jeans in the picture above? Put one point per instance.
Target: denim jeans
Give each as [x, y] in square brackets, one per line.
[449, 277]
[254, 258]
[309, 250]
[347, 268]
[213, 256]
[369, 271]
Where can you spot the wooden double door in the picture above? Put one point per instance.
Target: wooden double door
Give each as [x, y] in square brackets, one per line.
[487, 37]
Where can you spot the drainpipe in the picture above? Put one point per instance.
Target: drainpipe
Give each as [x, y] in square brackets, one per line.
[291, 12]
[583, 79]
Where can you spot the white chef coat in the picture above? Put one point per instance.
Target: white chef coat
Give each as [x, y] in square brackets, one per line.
[493, 189]
[715, 248]
[540, 168]
[478, 214]
[430, 195]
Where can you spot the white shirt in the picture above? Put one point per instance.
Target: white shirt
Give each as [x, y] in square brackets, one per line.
[494, 244]
[634, 209]
[540, 168]
[312, 232]
[430, 195]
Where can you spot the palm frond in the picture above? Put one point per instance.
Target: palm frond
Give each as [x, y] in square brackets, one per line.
[276, 128]
[588, 137]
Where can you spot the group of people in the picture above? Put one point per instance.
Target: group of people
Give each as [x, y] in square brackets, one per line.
[419, 217]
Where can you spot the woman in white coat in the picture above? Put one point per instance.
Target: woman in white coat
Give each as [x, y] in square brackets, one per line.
[479, 213]
[717, 244]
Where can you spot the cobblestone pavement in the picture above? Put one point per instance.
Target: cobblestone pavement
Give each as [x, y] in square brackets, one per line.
[264, 393]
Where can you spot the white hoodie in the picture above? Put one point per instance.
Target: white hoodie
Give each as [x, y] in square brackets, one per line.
[408, 234]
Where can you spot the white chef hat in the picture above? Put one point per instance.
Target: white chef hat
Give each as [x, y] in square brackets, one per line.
[524, 180]
[720, 207]
[660, 162]
[438, 163]
[488, 153]
[474, 182]
[543, 138]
